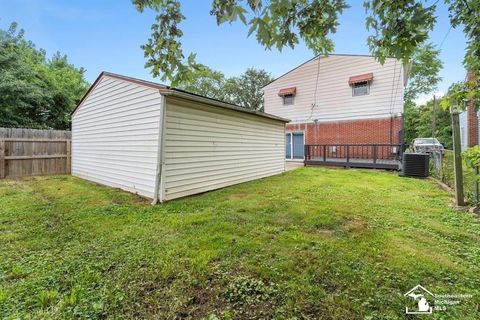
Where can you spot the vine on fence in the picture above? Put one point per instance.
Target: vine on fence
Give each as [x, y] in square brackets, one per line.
[472, 157]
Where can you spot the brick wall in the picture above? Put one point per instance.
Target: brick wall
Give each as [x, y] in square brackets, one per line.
[472, 121]
[472, 125]
[366, 131]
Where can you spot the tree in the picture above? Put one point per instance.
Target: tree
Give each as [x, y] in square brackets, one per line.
[466, 13]
[423, 78]
[418, 123]
[246, 90]
[36, 92]
[460, 93]
[274, 22]
[411, 116]
[398, 28]
[206, 82]
[18, 89]
[423, 75]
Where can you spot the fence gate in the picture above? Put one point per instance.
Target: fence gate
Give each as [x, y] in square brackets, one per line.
[29, 152]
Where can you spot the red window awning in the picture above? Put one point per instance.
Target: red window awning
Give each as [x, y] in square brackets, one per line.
[287, 91]
[360, 78]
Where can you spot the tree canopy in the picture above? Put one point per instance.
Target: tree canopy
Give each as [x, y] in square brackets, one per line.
[423, 76]
[419, 122]
[397, 28]
[423, 79]
[36, 92]
[459, 94]
[206, 82]
[244, 90]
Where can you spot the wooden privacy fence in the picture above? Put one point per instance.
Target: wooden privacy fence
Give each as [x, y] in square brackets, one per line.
[30, 152]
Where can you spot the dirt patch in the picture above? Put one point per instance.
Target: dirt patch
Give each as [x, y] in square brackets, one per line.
[322, 231]
[238, 196]
[202, 301]
[354, 225]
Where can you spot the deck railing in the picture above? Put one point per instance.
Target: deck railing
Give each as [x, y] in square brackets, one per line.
[382, 156]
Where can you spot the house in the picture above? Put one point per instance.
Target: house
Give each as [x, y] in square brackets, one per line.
[339, 100]
[469, 133]
[163, 143]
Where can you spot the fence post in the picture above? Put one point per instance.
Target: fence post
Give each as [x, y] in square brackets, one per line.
[2, 159]
[324, 153]
[457, 158]
[375, 153]
[348, 154]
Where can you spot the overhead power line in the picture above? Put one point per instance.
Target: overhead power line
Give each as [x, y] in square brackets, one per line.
[444, 38]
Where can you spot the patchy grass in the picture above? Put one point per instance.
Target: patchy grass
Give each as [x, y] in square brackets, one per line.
[311, 243]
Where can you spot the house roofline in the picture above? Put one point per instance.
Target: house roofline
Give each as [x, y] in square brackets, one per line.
[170, 91]
[201, 99]
[320, 56]
[117, 76]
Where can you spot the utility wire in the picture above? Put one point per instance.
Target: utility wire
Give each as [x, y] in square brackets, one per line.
[444, 38]
[396, 91]
[393, 87]
[316, 90]
[316, 82]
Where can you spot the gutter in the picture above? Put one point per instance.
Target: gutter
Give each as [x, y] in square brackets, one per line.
[160, 164]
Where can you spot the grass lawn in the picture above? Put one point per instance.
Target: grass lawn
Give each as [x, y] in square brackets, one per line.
[310, 243]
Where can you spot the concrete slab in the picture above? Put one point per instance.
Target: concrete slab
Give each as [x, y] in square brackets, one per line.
[291, 165]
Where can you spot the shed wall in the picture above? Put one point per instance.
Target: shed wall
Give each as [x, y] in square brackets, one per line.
[208, 148]
[115, 136]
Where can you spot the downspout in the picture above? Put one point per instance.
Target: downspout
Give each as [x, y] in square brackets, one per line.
[158, 173]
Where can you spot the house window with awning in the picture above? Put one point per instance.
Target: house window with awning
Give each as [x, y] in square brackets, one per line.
[288, 95]
[361, 84]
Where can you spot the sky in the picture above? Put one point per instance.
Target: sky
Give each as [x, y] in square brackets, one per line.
[106, 36]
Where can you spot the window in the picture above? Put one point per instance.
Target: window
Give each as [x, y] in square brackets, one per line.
[288, 95]
[288, 99]
[361, 88]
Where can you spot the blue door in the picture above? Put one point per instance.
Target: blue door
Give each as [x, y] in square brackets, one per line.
[298, 145]
[294, 147]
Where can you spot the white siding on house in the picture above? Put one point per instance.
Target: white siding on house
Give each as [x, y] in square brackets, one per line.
[334, 100]
[115, 136]
[208, 148]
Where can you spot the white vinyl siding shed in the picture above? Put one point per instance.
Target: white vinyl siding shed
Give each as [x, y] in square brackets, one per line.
[163, 143]
[208, 148]
[115, 136]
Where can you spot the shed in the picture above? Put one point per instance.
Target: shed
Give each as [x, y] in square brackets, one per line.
[163, 143]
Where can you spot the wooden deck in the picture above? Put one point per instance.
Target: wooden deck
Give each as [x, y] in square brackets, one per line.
[354, 163]
[354, 156]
